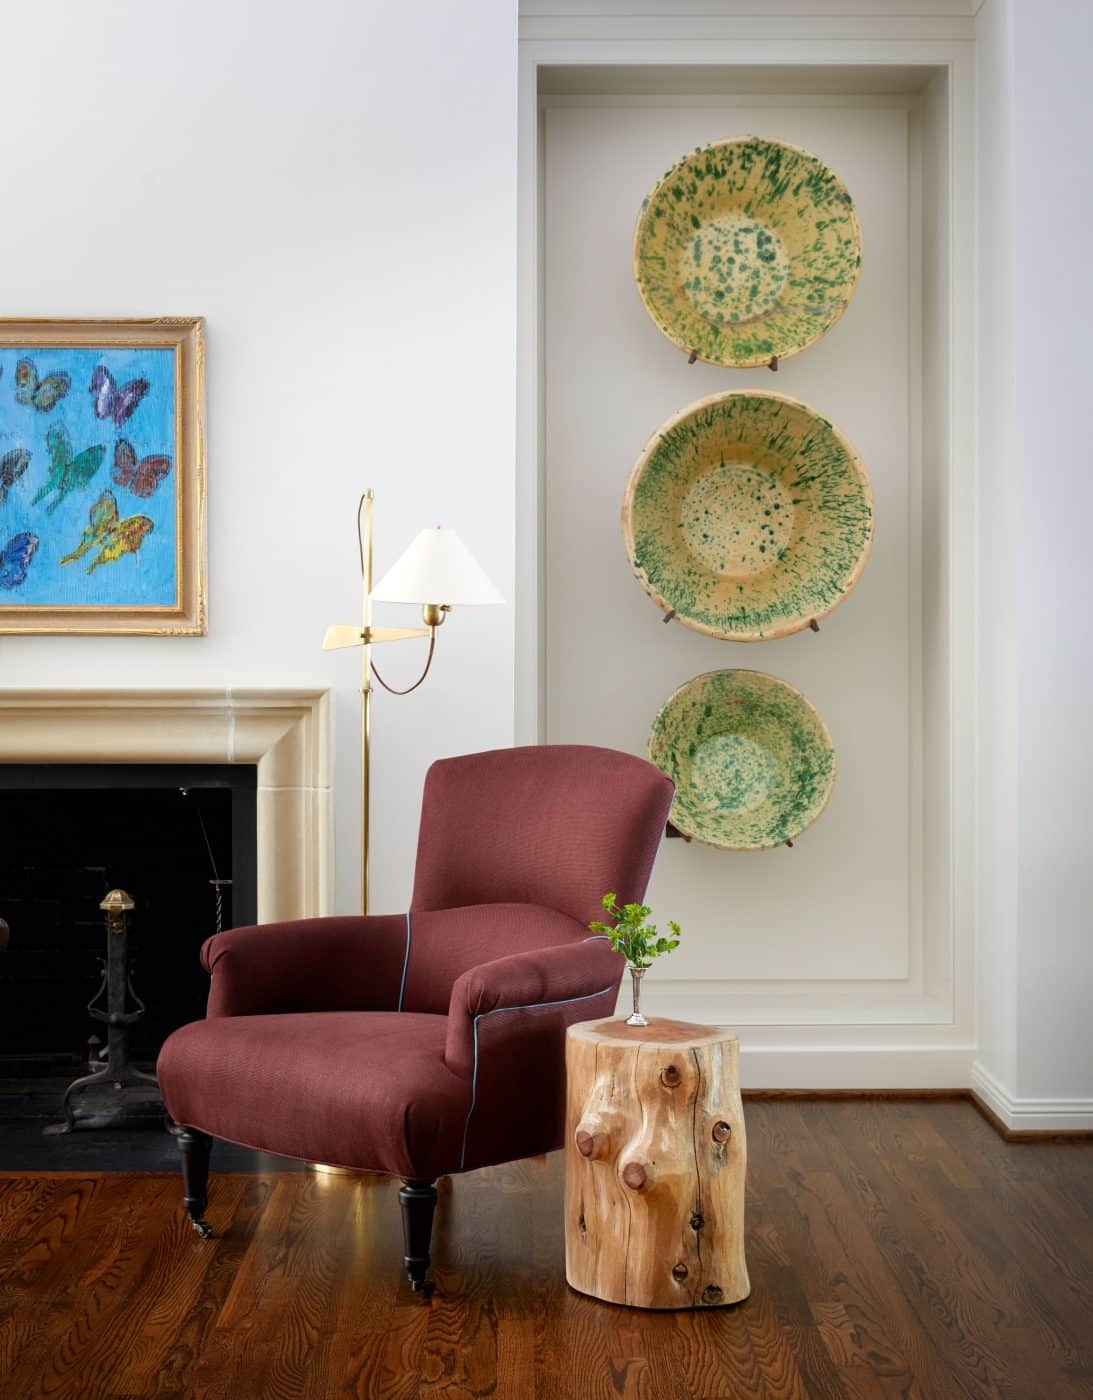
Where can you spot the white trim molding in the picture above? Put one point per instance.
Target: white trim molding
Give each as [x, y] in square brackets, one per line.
[1030, 1115]
[834, 1067]
[285, 733]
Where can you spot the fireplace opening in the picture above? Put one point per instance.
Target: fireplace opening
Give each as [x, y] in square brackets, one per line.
[172, 836]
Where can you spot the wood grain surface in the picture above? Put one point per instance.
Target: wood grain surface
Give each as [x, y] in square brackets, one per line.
[655, 1160]
[895, 1249]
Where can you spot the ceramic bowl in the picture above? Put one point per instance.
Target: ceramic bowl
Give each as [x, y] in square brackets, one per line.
[748, 516]
[751, 759]
[747, 250]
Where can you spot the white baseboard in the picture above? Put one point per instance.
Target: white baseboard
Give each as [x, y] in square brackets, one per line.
[1031, 1115]
[855, 1066]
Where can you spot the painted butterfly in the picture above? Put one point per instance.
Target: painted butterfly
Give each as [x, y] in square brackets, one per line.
[12, 466]
[15, 559]
[115, 537]
[66, 472]
[110, 401]
[141, 477]
[45, 393]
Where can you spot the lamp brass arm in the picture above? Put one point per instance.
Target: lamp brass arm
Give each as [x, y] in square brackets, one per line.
[395, 634]
[352, 635]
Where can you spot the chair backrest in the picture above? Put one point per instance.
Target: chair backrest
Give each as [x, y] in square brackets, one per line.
[556, 825]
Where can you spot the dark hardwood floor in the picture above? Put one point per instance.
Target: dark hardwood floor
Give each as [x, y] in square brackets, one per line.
[895, 1249]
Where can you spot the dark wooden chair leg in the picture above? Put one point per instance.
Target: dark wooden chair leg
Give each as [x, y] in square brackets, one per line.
[195, 1147]
[418, 1202]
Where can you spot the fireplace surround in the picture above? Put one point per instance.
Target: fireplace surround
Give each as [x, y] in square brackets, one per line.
[284, 732]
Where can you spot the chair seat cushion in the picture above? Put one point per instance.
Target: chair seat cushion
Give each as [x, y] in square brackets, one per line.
[363, 1089]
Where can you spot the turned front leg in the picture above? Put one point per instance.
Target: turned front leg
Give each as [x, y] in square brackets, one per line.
[195, 1148]
[418, 1202]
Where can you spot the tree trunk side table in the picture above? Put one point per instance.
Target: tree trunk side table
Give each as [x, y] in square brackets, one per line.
[655, 1163]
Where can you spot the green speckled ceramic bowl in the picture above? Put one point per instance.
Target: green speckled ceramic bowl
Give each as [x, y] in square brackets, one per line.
[751, 759]
[748, 516]
[747, 250]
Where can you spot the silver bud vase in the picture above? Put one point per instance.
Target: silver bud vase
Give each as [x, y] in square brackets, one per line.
[637, 1019]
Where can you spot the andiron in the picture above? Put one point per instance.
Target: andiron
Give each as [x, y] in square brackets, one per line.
[117, 1073]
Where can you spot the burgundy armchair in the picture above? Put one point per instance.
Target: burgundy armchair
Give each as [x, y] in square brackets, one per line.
[431, 1042]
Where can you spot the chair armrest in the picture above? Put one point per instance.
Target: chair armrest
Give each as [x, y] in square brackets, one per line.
[579, 979]
[329, 964]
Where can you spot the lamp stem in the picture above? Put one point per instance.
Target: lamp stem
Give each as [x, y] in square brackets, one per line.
[364, 538]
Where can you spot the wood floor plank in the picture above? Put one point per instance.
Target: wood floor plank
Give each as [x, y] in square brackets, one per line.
[300, 1343]
[958, 1300]
[719, 1359]
[46, 1256]
[867, 1327]
[153, 1301]
[367, 1294]
[993, 1280]
[786, 1341]
[1049, 1276]
[262, 1263]
[177, 1290]
[895, 1250]
[867, 1323]
[18, 1195]
[60, 1362]
[178, 1365]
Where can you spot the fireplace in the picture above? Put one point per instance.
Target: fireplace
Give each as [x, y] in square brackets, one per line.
[275, 741]
[284, 733]
[180, 839]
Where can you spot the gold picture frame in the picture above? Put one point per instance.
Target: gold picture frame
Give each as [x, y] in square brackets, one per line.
[62, 504]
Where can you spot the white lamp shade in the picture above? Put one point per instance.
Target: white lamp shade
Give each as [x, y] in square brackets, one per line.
[437, 568]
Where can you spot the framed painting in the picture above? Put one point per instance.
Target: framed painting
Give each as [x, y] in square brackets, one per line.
[102, 476]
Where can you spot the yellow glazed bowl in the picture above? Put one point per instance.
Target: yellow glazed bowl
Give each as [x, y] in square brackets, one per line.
[747, 250]
[748, 516]
[752, 761]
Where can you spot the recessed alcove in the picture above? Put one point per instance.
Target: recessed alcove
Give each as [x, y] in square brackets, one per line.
[860, 936]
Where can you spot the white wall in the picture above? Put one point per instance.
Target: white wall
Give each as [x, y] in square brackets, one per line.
[996, 730]
[333, 187]
[1053, 118]
[335, 191]
[1035, 1056]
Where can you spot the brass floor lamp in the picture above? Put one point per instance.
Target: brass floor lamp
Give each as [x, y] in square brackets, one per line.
[437, 572]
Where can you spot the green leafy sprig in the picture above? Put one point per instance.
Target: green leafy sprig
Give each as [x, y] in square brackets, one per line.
[638, 941]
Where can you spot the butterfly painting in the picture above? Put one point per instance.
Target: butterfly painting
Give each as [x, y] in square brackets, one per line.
[111, 536]
[15, 559]
[67, 472]
[111, 401]
[12, 466]
[43, 393]
[102, 476]
[141, 477]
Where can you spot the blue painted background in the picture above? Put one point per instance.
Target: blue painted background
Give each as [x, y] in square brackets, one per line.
[146, 576]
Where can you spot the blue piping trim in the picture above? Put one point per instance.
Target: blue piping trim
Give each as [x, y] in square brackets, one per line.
[532, 1006]
[405, 962]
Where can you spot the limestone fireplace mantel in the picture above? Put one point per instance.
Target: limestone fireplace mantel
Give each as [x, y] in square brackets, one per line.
[285, 732]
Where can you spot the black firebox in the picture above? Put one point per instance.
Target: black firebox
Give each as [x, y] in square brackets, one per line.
[180, 839]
